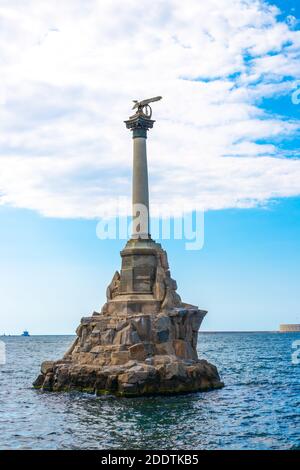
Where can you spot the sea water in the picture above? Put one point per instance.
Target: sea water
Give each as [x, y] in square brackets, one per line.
[259, 407]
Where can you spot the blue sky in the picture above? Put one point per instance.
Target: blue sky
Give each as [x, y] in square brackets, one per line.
[226, 140]
[55, 271]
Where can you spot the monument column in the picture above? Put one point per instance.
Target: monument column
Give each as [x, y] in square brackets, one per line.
[144, 340]
[140, 191]
[139, 124]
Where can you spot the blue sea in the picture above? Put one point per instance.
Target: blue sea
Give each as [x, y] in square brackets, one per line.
[259, 407]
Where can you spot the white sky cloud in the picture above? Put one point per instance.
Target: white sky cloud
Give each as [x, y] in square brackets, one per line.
[70, 69]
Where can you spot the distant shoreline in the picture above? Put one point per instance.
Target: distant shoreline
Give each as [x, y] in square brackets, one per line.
[200, 332]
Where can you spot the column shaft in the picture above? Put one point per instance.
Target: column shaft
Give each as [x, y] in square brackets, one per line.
[140, 191]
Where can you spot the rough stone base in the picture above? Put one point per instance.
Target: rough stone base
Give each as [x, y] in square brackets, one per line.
[163, 376]
[131, 355]
[143, 341]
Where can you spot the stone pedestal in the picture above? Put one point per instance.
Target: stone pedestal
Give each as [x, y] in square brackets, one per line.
[142, 342]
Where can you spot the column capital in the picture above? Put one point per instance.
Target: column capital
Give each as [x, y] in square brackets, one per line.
[139, 124]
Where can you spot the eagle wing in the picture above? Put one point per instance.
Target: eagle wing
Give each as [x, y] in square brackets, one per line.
[145, 102]
[150, 100]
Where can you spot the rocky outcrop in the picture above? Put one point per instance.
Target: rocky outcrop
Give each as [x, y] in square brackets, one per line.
[143, 341]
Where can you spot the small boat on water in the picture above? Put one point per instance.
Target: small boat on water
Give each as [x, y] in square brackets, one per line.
[25, 333]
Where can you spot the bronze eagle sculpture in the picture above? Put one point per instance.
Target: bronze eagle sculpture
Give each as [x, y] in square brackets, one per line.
[141, 104]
